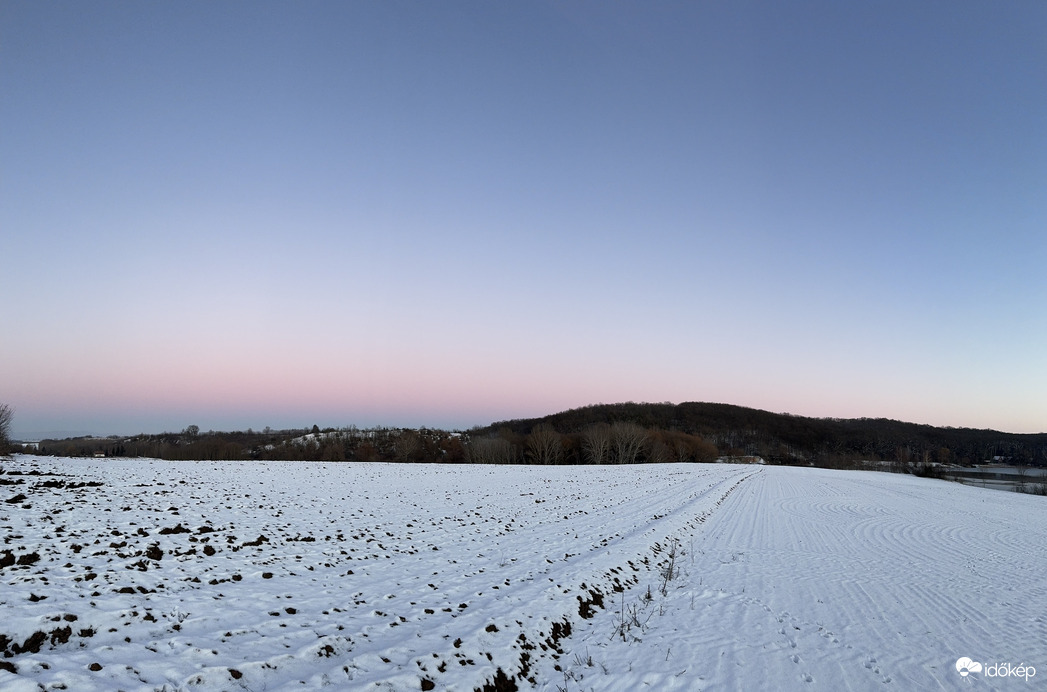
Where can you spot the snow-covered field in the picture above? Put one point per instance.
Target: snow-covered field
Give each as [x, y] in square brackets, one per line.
[140, 575]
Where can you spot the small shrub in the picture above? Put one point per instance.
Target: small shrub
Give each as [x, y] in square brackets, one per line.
[928, 471]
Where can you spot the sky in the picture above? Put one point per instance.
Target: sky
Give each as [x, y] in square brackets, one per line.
[250, 214]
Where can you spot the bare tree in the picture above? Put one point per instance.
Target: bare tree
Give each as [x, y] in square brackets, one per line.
[408, 445]
[658, 452]
[705, 451]
[682, 447]
[1021, 467]
[627, 439]
[902, 457]
[596, 443]
[544, 445]
[6, 414]
[491, 450]
[332, 448]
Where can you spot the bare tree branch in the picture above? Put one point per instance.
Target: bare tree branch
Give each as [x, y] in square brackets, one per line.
[627, 439]
[6, 414]
[544, 445]
[596, 443]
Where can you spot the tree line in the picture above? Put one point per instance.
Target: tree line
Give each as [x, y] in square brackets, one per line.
[621, 442]
[623, 433]
[329, 444]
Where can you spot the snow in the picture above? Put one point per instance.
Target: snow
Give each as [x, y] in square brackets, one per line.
[288, 576]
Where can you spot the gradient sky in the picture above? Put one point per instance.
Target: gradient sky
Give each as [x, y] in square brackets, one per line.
[242, 214]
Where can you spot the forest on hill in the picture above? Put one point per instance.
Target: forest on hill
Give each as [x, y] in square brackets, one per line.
[784, 438]
[598, 434]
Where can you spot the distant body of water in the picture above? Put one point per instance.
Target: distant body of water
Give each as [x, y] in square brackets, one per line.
[999, 477]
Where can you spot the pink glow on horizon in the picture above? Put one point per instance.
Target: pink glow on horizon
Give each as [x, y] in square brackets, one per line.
[429, 388]
[272, 383]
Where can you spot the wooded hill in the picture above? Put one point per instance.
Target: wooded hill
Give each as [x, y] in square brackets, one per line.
[788, 439]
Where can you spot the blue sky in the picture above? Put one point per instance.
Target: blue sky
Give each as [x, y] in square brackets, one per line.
[246, 214]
